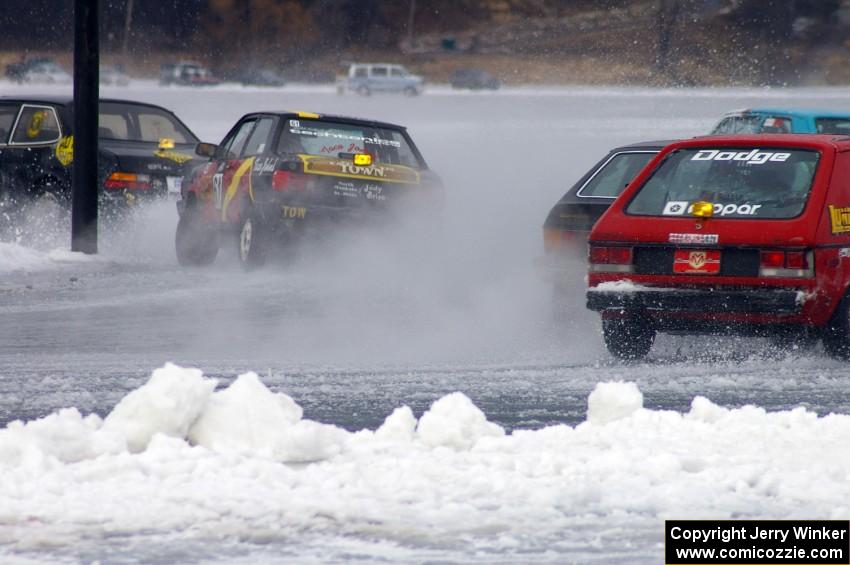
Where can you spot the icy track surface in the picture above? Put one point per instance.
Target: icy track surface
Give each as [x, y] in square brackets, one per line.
[179, 467]
[509, 451]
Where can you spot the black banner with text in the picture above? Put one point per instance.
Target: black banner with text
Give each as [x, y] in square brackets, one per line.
[757, 542]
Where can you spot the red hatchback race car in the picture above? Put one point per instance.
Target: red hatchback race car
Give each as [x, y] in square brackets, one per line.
[277, 173]
[744, 234]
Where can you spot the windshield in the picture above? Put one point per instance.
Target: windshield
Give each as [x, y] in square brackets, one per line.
[617, 172]
[751, 183]
[329, 139]
[129, 122]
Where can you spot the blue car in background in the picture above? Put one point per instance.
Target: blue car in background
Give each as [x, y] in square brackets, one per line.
[784, 120]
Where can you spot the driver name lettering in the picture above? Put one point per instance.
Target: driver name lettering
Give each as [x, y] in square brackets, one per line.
[754, 157]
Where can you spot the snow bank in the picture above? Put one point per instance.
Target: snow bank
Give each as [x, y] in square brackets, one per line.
[14, 257]
[177, 459]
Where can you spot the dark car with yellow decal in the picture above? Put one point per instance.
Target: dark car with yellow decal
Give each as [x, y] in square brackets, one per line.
[277, 174]
[144, 150]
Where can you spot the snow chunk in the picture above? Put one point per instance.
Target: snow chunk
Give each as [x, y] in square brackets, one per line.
[613, 401]
[168, 403]
[64, 436]
[248, 419]
[400, 426]
[704, 410]
[454, 421]
[616, 286]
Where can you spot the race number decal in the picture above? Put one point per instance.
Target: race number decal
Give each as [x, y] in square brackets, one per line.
[218, 194]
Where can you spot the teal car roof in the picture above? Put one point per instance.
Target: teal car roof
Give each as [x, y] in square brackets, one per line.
[797, 112]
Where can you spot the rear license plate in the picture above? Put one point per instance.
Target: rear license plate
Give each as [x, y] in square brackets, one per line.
[174, 184]
[696, 261]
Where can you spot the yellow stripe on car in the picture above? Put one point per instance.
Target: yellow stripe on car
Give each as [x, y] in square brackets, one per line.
[245, 167]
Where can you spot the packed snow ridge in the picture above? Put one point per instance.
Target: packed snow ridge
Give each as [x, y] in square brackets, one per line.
[178, 455]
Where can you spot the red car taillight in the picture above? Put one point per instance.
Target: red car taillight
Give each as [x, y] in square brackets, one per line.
[286, 180]
[132, 181]
[778, 263]
[604, 259]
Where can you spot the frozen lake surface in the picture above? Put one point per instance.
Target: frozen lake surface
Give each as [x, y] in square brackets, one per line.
[533, 460]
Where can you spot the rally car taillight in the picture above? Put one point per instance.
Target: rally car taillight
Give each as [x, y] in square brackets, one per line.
[604, 259]
[555, 240]
[287, 180]
[779, 263]
[132, 181]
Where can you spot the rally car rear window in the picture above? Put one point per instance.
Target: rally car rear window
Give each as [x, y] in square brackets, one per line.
[840, 126]
[613, 176]
[130, 122]
[753, 123]
[36, 124]
[742, 183]
[329, 139]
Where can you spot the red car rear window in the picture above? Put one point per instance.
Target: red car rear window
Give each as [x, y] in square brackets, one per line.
[743, 183]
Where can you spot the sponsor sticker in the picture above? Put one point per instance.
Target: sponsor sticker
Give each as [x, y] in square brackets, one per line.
[676, 208]
[265, 165]
[839, 219]
[696, 262]
[178, 158]
[693, 238]
[754, 157]
[680, 208]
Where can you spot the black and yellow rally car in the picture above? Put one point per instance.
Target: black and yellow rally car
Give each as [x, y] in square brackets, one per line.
[144, 150]
[277, 173]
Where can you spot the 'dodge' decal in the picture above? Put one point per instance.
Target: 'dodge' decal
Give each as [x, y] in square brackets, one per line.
[316, 165]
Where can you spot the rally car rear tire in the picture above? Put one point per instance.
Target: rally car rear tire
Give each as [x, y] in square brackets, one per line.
[836, 336]
[195, 243]
[628, 338]
[253, 241]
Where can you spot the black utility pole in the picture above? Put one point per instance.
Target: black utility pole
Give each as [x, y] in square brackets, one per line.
[84, 193]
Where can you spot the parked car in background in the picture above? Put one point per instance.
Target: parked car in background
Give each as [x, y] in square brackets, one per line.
[39, 71]
[186, 73]
[254, 76]
[144, 150]
[366, 78]
[737, 234]
[474, 79]
[783, 120]
[113, 75]
[276, 177]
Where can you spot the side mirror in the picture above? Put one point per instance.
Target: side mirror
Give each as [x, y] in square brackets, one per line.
[206, 149]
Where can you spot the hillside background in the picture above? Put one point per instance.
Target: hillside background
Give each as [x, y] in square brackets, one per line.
[648, 42]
